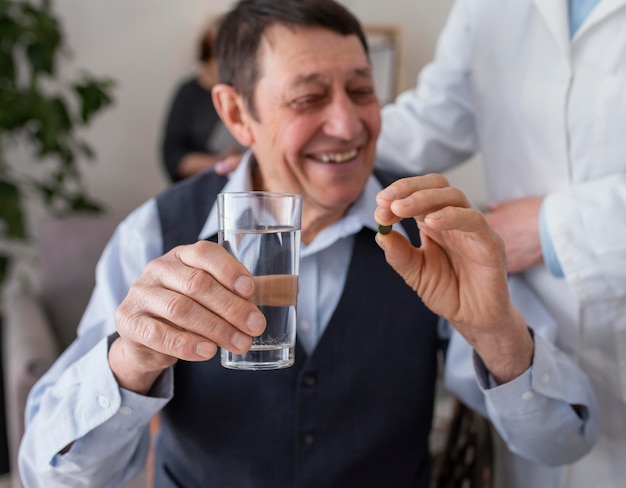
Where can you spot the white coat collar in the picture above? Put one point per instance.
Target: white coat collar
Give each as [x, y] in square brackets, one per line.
[555, 14]
[599, 13]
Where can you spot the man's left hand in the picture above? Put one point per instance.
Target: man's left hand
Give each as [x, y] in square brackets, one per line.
[459, 270]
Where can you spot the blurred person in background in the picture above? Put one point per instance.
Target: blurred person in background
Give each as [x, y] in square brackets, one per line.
[194, 137]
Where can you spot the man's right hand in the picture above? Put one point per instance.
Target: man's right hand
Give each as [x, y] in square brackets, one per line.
[184, 305]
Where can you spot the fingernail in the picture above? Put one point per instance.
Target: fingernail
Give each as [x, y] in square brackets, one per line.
[388, 193]
[206, 349]
[380, 240]
[382, 215]
[244, 285]
[240, 341]
[404, 202]
[256, 323]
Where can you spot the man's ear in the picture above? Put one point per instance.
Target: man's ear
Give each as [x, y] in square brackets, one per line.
[232, 110]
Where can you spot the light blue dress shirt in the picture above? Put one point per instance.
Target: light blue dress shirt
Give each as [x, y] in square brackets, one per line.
[578, 12]
[79, 400]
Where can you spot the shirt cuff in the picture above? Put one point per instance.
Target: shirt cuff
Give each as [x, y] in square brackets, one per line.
[517, 397]
[133, 414]
[547, 247]
[112, 415]
[531, 390]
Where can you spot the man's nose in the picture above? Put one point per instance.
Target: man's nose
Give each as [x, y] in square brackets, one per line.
[343, 121]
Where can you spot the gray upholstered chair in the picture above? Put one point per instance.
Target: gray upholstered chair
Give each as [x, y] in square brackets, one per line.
[40, 324]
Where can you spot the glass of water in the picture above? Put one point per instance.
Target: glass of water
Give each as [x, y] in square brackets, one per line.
[262, 230]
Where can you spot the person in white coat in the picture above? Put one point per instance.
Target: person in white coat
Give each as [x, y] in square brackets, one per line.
[544, 102]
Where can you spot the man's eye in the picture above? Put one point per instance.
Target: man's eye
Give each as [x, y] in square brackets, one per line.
[363, 95]
[307, 101]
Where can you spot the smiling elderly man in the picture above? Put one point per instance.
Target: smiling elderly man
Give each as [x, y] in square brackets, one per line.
[356, 408]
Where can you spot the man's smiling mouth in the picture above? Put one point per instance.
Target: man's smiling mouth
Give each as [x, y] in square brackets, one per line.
[338, 157]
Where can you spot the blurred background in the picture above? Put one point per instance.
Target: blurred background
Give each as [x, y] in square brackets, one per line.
[148, 46]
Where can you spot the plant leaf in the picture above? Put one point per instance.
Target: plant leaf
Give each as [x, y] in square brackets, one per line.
[94, 96]
[16, 107]
[4, 267]
[47, 192]
[81, 203]
[54, 128]
[7, 67]
[11, 210]
[41, 57]
[45, 40]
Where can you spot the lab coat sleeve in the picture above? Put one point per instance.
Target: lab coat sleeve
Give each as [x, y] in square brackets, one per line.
[78, 401]
[587, 224]
[432, 128]
[533, 413]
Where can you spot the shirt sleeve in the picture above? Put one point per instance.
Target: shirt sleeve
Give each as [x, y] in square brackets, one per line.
[547, 247]
[534, 413]
[432, 128]
[541, 401]
[106, 426]
[588, 229]
[78, 402]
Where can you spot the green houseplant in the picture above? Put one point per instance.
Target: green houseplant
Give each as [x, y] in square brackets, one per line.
[41, 110]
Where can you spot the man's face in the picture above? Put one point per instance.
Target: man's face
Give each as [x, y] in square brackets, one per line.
[318, 117]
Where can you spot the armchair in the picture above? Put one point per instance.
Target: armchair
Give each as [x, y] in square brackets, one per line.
[39, 325]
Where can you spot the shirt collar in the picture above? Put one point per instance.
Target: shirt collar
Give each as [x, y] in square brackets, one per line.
[238, 180]
[360, 214]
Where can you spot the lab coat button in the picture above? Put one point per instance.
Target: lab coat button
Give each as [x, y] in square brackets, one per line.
[528, 395]
[103, 401]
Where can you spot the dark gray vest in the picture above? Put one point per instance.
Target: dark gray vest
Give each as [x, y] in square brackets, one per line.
[356, 413]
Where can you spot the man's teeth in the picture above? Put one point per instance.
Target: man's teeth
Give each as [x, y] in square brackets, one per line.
[337, 157]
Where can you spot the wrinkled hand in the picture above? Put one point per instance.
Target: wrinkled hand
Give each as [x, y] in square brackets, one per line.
[517, 223]
[459, 271]
[185, 304]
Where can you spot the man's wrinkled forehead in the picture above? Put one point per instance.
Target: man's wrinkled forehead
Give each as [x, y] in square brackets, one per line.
[279, 36]
[274, 37]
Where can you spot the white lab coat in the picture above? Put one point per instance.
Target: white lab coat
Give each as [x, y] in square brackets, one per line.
[548, 115]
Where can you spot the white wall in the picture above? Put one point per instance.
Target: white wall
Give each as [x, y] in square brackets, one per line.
[148, 46]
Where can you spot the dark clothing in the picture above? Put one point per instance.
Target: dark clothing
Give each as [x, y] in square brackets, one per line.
[191, 120]
[356, 412]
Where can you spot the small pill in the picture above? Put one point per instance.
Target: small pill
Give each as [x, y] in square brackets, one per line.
[384, 229]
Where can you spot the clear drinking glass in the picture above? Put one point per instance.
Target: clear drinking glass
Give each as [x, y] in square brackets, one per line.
[262, 230]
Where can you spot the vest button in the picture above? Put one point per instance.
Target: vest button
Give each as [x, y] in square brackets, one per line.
[308, 439]
[309, 380]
